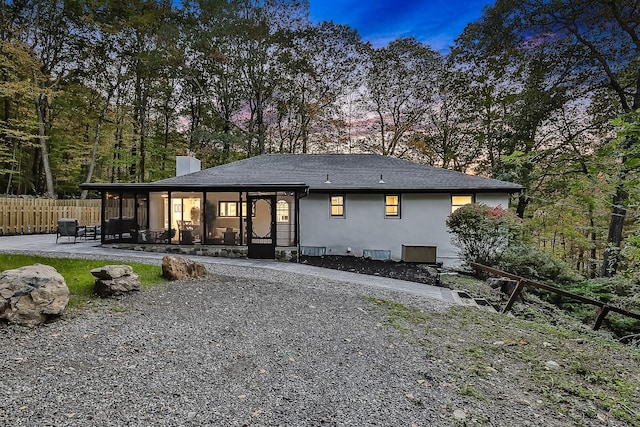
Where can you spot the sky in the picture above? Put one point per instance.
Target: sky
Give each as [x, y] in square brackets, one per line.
[435, 22]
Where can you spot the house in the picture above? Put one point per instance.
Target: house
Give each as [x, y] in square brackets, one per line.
[270, 205]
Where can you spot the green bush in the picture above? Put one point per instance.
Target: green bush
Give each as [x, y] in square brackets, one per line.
[535, 264]
[483, 233]
[630, 258]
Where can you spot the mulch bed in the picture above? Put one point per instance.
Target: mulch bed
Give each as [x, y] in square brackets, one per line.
[412, 272]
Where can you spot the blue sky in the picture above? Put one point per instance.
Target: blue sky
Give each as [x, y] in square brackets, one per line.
[435, 22]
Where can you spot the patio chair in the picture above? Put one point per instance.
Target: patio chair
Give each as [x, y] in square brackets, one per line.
[68, 227]
[166, 236]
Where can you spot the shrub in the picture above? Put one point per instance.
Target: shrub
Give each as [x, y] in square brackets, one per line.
[611, 290]
[630, 258]
[483, 233]
[533, 263]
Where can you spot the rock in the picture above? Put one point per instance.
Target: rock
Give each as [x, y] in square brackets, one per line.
[117, 287]
[178, 268]
[109, 272]
[31, 295]
[115, 280]
[459, 414]
[550, 364]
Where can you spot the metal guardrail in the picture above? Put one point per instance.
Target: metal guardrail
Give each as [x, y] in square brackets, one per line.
[603, 308]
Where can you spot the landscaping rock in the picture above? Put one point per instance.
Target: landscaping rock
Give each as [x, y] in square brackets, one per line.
[109, 272]
[117, 287]
[178, 268]
[115, 280]
[31, 295]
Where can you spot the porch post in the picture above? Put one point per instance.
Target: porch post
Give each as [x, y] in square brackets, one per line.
[241, 237]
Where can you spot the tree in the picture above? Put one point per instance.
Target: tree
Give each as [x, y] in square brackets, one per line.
[399, 92]
[17, 89]
[626, 145]
[320, 65]
[596, 46]
[213, 79]
[449, 140]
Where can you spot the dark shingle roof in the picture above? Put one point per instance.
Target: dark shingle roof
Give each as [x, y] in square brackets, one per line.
[355, 172]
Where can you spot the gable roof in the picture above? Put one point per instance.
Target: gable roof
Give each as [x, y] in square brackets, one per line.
[346, 172]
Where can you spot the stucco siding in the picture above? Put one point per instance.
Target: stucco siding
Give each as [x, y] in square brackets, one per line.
[364, 226]
[493, 199]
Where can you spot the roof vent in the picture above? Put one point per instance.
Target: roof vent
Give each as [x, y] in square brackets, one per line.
[327, 181]
[381, 180]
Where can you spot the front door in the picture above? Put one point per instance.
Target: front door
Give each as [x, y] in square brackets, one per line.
[261, 227]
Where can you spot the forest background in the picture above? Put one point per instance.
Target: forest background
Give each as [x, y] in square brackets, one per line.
[542, 93]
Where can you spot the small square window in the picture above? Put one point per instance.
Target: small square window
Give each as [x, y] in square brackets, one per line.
[337, 206]
[459, 201]
[392, 206]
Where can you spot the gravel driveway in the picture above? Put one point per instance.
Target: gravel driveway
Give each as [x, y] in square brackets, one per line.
[243, 347]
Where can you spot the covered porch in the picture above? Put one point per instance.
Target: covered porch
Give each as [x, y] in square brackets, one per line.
[251, 220]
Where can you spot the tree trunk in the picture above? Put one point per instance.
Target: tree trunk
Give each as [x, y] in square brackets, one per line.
[260, 122]
[592, 260]
[618, 215]
[11, 165]
[40, 104]
[523, 202]
[610, 259]
[143, 130]
[94, 154]
[226, 148]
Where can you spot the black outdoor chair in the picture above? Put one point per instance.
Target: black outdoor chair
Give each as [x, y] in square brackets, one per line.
[68, 227]
[165, 236]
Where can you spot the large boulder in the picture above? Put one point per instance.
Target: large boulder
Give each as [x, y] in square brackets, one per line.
[178, 268]
[115, 280]
[31, 295]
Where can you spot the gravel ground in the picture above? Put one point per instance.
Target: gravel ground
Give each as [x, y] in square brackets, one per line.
[243, 347]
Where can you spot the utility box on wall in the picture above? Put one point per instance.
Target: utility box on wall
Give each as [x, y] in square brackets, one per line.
[419, 253]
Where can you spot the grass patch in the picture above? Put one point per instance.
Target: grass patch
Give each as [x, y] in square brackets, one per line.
[77, 273]
[492, 357]
[399, 316]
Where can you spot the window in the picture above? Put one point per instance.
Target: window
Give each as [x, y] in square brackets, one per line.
[459, 201]
[227, 209]
[230, 209]
[392, 206]
[337, 206]
[282, 211]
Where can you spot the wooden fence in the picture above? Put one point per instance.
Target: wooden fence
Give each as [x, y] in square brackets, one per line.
[603, 309]
[34, 216]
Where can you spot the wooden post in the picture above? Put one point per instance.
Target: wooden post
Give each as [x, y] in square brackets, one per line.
[514, 295]
[602, 312]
